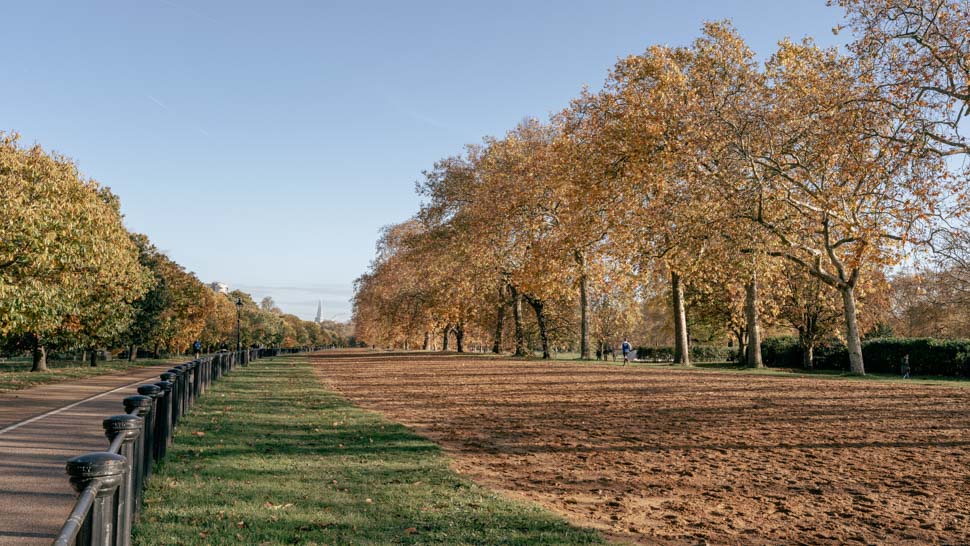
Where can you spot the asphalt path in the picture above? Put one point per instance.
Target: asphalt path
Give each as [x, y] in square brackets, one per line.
[40, 429]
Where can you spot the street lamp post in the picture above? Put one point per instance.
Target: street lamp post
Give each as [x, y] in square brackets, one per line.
[239, 305]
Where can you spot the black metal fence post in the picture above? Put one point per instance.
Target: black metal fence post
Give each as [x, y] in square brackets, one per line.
[183, 390]
[138, 405]
[154, 392]
[105, 471]
[129, 428]
[163, 425]
[187, 385]
[197, 368]
[211, 370]
[193, 371]
[176, 379]
[187, 398]
[182, 381]
[204, 368]
[207, 374]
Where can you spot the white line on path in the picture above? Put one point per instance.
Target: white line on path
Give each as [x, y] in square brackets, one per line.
[67, 407]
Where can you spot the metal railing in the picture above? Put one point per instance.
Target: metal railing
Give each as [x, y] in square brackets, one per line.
[110, 484]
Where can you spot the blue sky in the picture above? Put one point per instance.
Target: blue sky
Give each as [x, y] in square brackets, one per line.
[264, 144]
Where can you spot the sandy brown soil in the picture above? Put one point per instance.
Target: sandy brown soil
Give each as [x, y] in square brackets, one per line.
[662, 456]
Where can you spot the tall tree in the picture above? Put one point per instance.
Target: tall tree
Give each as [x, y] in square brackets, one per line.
[918, 54]
[65, 256]
[842, 199]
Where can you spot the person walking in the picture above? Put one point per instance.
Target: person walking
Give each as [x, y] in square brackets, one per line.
[904, 367]
[197, 348]
[626, 348]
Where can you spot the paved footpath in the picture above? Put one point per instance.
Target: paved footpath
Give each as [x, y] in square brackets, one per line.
[40, 429]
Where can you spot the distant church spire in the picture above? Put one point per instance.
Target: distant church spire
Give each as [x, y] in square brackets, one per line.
[319, 318]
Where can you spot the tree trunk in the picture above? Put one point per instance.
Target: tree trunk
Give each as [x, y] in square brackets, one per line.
[853, 341]
[40, 357]
[751, 317]
[808, 356]
[499, 326]
[93, 355]
[739, 334]
[520, 349]
[460, 337]
[444, 339]
[538, 307]
[132, 352]
[427, 341]
[681, 345]
[584, 317]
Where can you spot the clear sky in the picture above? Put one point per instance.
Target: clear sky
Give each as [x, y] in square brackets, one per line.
[264, 144]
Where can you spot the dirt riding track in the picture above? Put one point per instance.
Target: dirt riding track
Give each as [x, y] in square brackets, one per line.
[662, 456]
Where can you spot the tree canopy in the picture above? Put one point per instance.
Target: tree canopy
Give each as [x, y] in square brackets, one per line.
[778, 195]
[73, 277]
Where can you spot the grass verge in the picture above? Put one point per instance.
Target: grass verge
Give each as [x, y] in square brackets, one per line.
[24, 378]
[270, 457]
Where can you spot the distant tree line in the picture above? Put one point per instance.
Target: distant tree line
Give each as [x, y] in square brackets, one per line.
[72, 277]
[702, 196]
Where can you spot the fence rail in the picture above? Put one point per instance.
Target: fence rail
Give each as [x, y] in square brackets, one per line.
[110, 484]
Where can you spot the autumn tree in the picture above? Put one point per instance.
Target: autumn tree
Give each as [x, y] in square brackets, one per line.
[917, 52]
[841, 198]
[187, 304]
[65, 256]
[108, 309]
[658, 225]
[219, 329]
[755, 191]
[585, 164]
[811, 307]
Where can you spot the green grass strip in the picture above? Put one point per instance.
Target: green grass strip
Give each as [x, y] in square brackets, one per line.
[270, 457]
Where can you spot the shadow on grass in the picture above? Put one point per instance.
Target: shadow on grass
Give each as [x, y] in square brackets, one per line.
[268, 457]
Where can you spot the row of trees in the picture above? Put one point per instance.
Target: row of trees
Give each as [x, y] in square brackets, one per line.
[73, 277]
[702, 185]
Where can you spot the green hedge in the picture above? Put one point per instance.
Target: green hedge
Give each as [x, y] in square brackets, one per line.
[699, 353]
[784, 352]
[927, 356]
